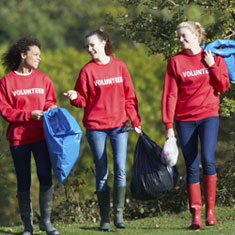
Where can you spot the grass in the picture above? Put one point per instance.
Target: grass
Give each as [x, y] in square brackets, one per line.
[174, 224]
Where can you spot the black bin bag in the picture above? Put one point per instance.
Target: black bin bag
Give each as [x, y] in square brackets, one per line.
[151, 178]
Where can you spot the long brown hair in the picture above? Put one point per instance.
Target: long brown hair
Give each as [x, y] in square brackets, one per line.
[103, 36]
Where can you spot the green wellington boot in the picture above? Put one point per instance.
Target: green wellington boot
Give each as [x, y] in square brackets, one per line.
[104, 205]
[118, 204]
[45, 204]
[26, 212]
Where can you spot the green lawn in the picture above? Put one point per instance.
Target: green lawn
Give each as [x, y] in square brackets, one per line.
[164, 225]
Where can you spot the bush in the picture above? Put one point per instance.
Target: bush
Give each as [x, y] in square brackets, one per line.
[225, 184]
[71, 209]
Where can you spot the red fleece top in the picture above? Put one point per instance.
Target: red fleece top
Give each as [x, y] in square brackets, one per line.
[191, 88]
[107, 95]
[19, 96]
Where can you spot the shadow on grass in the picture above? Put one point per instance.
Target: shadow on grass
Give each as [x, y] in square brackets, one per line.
[90, 228]
[8, 232]
[113, 230]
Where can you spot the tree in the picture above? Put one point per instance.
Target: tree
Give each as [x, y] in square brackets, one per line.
[155, 23]
[57, 24]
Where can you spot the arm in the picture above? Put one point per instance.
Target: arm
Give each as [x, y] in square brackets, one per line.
[131, 102]
[219, 72]
[169, 99]
[13, 115]
[50, 101]
[7, 111]
[79, 96]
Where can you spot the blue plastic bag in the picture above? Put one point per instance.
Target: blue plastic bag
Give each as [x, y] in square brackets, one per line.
[63, 136]
[228, 53]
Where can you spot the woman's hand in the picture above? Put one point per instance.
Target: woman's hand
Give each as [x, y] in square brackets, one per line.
[53, 107]
[71, 94]
[209, 59]
[169, 133]
[37, 115]
[138, 130]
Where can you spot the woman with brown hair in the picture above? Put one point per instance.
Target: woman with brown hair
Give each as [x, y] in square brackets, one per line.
[104, 89]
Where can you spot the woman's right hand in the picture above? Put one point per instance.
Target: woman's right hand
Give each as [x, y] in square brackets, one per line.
[169, 133]
[71, 94]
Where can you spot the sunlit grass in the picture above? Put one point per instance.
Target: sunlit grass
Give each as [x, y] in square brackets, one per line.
[167, 224]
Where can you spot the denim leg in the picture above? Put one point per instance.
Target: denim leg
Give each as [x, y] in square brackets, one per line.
[119, 148]
[208, 132]
[21, 156]
[43, 164]
[188, 139]
[97, 142]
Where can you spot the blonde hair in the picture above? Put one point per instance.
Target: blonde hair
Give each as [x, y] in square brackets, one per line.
[194, 27]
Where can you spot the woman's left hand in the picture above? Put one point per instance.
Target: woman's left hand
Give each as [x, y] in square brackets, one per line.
[138, 130]
[209, 59]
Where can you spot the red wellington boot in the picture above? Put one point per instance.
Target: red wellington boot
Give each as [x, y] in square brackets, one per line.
[195, 204]
[209, 188]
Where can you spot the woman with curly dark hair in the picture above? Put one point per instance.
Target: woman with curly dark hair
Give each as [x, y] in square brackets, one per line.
[24, 94]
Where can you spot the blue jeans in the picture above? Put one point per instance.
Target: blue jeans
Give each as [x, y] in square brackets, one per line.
[22, 161]
[188, 133]
[97, 141]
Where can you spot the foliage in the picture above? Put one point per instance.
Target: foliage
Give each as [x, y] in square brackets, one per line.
[227, 107]
[60, 26]
[7, 172]
[72, 210]
[226, 190]
[155, 23]
[58, 23]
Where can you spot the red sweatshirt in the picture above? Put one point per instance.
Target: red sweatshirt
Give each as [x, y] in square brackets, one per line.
[191, 88]
[107, 95]
[19, 96]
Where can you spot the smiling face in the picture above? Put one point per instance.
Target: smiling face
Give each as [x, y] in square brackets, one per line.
[187, 39]
[95, 47]
[32, 57]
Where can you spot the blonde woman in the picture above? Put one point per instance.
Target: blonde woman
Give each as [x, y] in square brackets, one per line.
[191, 90]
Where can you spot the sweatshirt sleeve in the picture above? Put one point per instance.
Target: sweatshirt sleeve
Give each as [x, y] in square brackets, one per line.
[169, 96]
[131, 102]
[82, 91]
[219, 74]
[7, 111]
[50, 95]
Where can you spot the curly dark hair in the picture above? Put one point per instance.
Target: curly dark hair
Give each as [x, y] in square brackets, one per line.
[12, 57]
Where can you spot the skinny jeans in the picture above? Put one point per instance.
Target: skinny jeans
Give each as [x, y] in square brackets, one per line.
[21, 155]
[97, 140]
[189, 134]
